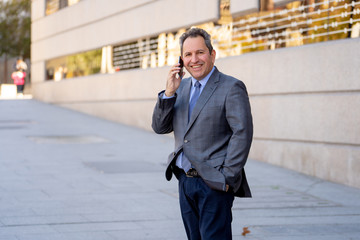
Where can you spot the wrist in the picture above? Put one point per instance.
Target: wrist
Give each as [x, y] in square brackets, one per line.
[169, 94]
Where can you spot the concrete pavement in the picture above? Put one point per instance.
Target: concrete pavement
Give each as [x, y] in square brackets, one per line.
[65, 175]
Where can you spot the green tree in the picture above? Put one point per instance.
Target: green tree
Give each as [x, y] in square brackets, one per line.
[15, 25]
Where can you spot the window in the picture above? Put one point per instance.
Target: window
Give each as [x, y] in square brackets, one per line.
[81, 64]
[292, 24]
[55, 5]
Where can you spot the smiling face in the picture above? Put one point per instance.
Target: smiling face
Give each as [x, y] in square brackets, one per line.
[198, 61]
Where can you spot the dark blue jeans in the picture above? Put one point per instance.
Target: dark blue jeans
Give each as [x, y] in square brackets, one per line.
[206, 213]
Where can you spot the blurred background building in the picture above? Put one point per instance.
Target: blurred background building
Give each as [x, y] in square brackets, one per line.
[299, 60]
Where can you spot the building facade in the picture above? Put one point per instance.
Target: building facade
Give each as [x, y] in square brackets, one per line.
[299, 60]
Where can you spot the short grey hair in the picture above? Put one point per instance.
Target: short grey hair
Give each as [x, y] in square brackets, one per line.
[195, 32]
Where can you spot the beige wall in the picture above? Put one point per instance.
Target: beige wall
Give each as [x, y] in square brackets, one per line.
[305, 100]
[306, 107]
[243, 7]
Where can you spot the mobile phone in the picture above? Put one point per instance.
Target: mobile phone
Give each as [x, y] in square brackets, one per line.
[181, 66]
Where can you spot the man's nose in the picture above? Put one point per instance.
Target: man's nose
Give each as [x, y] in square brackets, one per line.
[194, 58]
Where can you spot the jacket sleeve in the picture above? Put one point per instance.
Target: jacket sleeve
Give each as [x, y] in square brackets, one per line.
[163, 114]
[238, 116]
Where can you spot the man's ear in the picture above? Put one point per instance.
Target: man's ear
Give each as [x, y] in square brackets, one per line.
[213, 55]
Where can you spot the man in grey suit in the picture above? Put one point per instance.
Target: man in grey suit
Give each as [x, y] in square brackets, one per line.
[210, 116]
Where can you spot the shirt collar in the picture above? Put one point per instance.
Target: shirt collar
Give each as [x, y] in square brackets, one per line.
[204, 80]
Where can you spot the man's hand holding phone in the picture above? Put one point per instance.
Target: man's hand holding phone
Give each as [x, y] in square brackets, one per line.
[174, 78]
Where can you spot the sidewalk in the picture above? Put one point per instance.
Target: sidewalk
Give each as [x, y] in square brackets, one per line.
[69, 176]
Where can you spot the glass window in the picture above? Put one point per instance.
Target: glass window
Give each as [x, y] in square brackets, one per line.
[287, 25]
[55, 5]
[52, 6]
[81, 64]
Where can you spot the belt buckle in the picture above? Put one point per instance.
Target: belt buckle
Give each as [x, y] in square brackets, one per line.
[192, 173]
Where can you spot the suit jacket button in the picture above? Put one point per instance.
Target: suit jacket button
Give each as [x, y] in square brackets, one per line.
[186, 141]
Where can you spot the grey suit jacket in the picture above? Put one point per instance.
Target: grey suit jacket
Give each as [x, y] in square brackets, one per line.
[217, 138]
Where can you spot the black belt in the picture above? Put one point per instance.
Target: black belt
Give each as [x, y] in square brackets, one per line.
[191, 173]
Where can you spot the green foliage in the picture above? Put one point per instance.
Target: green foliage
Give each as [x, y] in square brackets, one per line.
[15, 25]
[85, 63]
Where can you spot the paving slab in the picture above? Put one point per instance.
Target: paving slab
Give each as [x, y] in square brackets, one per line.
[68, 175]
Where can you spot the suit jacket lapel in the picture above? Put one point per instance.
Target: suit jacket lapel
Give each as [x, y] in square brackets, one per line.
[209, 89]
